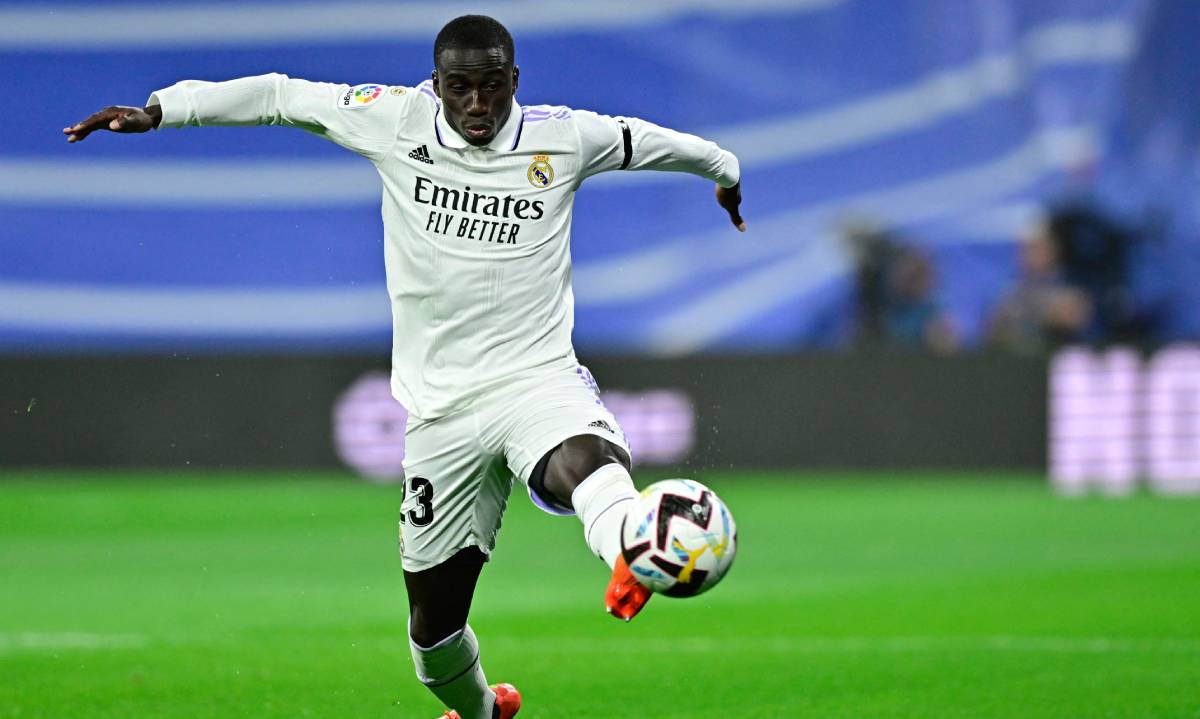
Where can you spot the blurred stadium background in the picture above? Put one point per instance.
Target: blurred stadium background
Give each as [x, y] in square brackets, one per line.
[969, 287]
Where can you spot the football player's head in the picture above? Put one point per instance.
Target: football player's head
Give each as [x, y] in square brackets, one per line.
[475, 76]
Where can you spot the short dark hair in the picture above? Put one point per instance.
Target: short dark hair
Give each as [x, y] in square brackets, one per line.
[473, 32]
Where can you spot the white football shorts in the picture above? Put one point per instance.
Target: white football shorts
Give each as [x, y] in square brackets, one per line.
[459, 468]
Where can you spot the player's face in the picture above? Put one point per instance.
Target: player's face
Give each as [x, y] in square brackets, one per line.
[476, 88]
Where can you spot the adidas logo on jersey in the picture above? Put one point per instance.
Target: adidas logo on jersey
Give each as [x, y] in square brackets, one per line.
[601, 424]
[421, 154]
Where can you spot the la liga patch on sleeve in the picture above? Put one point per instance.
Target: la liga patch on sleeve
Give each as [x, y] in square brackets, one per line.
[361, 96]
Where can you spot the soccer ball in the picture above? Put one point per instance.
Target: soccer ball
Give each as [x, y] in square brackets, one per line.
[678, 538]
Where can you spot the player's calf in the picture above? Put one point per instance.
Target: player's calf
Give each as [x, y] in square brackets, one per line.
[444, 649]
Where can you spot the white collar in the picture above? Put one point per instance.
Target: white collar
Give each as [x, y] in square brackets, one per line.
[505, 140]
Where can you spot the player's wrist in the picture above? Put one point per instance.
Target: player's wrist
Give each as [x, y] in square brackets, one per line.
[155, 113]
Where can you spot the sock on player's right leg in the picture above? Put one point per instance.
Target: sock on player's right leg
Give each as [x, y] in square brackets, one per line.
[451, 670]
[600, 502]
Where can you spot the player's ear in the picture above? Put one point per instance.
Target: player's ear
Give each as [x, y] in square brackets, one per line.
[437, 90]
[516, 77]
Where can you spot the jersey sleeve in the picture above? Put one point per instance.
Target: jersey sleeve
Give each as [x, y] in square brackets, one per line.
[621, 143]
[362, 118]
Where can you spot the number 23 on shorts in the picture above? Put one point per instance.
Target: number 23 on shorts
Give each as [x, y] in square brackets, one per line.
[422, 490]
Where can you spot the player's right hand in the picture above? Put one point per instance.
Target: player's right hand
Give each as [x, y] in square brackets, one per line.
[115, 119]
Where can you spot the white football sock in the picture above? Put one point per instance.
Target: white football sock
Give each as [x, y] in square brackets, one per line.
[451, 670]
[600, 502]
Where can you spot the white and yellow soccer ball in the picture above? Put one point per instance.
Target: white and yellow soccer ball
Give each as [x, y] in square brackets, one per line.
[678, 538]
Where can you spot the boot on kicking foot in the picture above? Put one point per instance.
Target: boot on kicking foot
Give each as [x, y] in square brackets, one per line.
[626, 595]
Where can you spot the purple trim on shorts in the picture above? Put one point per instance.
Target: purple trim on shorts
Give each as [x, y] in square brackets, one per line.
[586, 375]
[545, 506]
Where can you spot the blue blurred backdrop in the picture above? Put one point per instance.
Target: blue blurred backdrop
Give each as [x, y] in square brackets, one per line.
[953, 123]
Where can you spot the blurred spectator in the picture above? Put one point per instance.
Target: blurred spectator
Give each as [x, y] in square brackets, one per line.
[873, 251]
[1075, 285]
[1094, 253]
[896, 303]
[1044, 309]
[914, 318]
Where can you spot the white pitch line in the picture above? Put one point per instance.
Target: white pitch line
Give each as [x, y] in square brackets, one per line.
[898, 645]
[11, 643]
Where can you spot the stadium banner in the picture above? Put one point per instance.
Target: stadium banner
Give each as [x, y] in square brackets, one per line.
[950, 122]
[1118, 418]
[818, 411]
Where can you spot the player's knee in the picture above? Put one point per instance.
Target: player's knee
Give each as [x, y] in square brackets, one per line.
[427, 627]
[576, 459]
[431, 620]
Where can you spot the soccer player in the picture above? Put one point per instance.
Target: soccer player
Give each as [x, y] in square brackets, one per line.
[477, 199]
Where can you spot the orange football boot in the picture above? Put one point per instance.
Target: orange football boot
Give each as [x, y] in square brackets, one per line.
[626, 595]
[508, 703]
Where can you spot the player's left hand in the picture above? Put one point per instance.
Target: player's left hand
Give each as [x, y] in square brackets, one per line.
[730, 198]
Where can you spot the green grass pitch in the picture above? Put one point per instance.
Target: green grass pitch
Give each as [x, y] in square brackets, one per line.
[852, 596]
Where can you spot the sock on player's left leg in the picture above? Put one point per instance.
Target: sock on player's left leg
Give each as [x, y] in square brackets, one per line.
[600, 502]
[451, 670]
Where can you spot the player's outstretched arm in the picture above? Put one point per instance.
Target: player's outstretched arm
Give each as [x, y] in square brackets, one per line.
[628, 143]
[115, 119]
[363, 122]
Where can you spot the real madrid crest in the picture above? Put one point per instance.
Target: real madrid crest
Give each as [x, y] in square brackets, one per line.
[540, 173]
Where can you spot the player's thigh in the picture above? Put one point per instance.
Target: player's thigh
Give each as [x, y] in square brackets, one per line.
[455, 492]
[563, 407]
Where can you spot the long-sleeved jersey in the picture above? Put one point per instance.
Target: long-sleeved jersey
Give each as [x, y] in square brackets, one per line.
[477, 239]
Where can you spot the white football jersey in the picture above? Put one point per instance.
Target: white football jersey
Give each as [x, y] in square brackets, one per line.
[477, 246]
